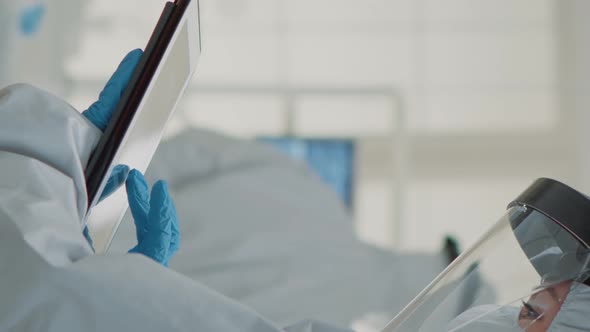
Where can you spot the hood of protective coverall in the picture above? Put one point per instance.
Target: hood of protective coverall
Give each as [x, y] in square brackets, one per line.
[44, 146]
[575, 310]
[51, 280]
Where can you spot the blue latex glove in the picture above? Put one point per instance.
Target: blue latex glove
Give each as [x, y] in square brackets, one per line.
[156, 223]
[158, 234]
[30, 18]
[101, 111]
[116, 180]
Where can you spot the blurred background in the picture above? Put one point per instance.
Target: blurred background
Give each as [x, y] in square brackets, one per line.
[425, 116]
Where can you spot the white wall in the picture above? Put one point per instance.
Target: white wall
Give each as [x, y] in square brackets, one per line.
[38, 59]
[574, 63]
[481, 96]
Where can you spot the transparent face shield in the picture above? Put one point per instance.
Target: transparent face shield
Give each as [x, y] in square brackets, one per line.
[516, 278]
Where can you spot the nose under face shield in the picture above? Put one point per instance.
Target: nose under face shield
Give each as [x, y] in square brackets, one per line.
[527, 273]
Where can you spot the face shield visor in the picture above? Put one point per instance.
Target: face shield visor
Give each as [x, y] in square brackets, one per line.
[530, 272]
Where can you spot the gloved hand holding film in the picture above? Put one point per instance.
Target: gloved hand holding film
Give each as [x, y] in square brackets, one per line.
[156, 223]
[154, 215]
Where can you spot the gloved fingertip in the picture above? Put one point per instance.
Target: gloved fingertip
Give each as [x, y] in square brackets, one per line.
[116, 179]
[120, 173]
[167, 215]
[121, 168]
[136, 184]
[161, 185]
[135, 173]
[134, 54]
[160, 213]
[136, 180]
[93, 114]
[138, 197]
[101, 111]
[130, 62]
[161, 197]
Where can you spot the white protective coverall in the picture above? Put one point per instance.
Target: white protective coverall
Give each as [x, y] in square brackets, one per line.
[50, 278]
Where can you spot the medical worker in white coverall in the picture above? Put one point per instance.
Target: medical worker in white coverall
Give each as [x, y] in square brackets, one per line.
[51, 279]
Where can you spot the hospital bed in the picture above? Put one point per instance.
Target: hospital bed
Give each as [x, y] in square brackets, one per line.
[263, 230]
